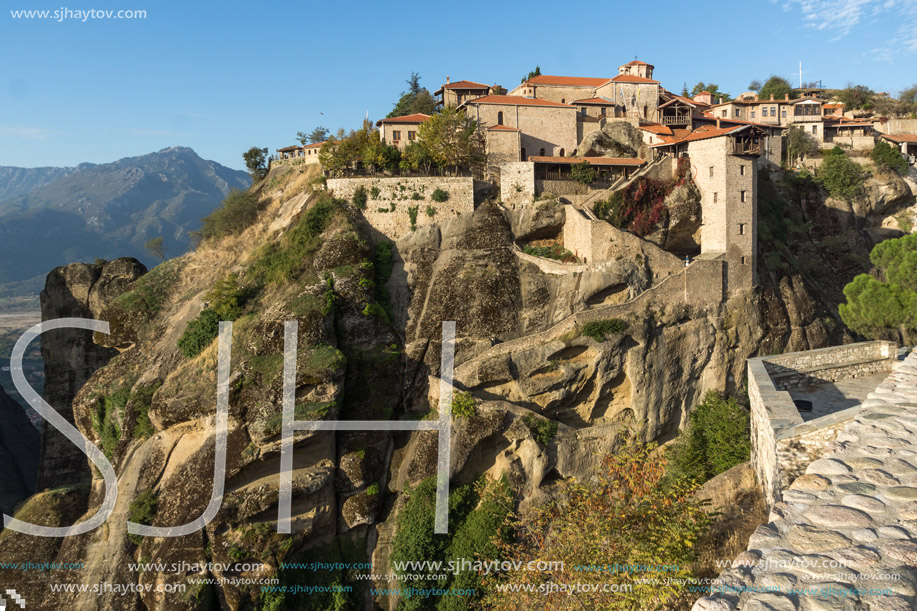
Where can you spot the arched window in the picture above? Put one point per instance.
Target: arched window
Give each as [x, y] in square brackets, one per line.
[500, 118]
[541, 153]
[524, 158]
[563, 101]
[561, 152]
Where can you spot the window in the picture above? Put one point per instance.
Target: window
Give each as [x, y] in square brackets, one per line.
[743, 195]
[500, 118]
[561, 152]
[741, 170]
[541, 153]
[524, 158]
[741, 228]
[563, 101]
[738, 112]
[763, 112]
[783, 114]
[396, 135]
[715, 196]
[602, 111]
[582, 111]
[744, 260]
[411, 136]
[711, 171]
[751, 114]
[774, 111]
[814, 129]
[725, 112]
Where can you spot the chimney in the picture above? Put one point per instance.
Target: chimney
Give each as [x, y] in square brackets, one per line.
[447, 80]
[786, 96]
[720, 100]
[717, 123]
[772, 97]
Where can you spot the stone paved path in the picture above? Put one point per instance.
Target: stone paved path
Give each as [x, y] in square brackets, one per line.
[846, 529]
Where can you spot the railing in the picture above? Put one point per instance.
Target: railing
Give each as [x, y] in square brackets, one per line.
[676, 120]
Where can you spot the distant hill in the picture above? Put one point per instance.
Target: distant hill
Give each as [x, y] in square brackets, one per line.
[55, 216]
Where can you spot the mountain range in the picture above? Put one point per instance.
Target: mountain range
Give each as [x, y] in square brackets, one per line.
[54, 216]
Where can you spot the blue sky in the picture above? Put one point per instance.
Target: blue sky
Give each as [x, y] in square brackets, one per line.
[223, 76]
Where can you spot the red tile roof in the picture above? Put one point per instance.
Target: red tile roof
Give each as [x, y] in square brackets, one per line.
[502, 128]
[655, 128]
[637, 63]
[314, 145]
[465, 85]
[295, 147]
[592, 160]
[909, 138]
[599, 101]
[632, 78]
[703, 133]
[567, 81]
[418, 117]
[515, 100]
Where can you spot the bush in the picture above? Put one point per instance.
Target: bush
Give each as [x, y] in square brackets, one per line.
[583, 173]
[839, 175]
[599, 329]
[109, 409]
[359, 197]
[142, 401]
[286, 259]
[716, 439]
[142, 511]
[374, 192]
[885, 155]
[542, 429]
[439, 196]
[464, 404]
[431, 211]
[625, 512]
[554, 251]
[640, 208]
[238, 212]
[199, 333]
[151, 290]
[412, 214]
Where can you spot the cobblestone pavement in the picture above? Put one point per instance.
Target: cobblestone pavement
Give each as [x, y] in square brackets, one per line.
[845, 535]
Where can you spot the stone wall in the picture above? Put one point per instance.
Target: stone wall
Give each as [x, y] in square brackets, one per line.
[898, 126]
[782, 444]
[404, 193]
[517, 183]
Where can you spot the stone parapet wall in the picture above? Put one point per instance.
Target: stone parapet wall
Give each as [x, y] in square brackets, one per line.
[517, 183]
[844, 535]
[405, 193]
[782, 444]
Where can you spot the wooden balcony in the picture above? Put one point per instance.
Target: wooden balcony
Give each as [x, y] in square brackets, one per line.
[746, 146]
[679, 119]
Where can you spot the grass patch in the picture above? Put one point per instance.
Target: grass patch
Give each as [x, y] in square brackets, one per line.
[238, 211]
[600, 329]
[464, 404]
[142, 401]
[151, 290]
[553, 251]
[109, 409]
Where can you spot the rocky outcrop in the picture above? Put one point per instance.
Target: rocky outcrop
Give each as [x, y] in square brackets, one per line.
[615, 139]
[78, 290]
[19, 447]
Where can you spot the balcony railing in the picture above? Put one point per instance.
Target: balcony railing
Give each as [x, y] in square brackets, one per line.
[676, 119]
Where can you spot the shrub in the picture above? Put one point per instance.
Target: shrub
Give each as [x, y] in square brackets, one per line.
[554, 251]
[439, 195]
[542, 429]
[640, 208]
[142, 511]
[151, 290]
[199, 333]
[238, 212]
[412, 214]
[373, 489]
[374, 192]
[839, 175]
[464, 404]
[109, 409]
[227, 298]
[885, 155]
[626, 511]
[717, 438]
[285, 260]
[583, 173]
[431, 211]
[359, 197]
[599, 329]
[142, 401]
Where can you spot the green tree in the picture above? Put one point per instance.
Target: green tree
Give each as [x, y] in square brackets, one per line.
[319, 134]
[417, 157]
[908, 99]
[684, 90]
[154, 247]
[416, 99]
[498, 90]
[776, 86]
[841, 176]
[452, 139]
[256, 162]
[711, 88]
[716, 439]
[583, 173]
[755, 85]
[887, 156]
[856, 96]
[799, 144]
[885, 300]
[238, 211]
[532, 74]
